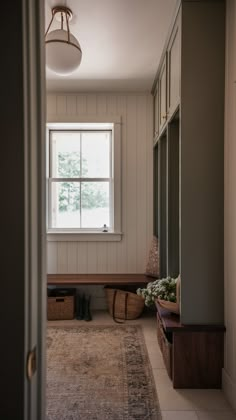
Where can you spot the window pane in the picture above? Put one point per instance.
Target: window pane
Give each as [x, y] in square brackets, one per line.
[95, 204]
[96, 154]
[65, 204]
[65, 154]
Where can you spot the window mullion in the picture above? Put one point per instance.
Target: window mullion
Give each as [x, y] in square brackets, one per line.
[80, 179]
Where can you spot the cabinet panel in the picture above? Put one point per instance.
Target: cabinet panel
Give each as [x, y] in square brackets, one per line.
[162, 203]
[156, 113]
[162, 95]
[173, 180]
[173, 54]
[165, 347]
[203, 371]
[155, 191]
[193, 354]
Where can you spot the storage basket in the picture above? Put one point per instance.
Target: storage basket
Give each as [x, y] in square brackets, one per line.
[61, 304]
[123, 304]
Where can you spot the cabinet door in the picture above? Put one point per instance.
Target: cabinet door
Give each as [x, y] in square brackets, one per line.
[173, 54]
[156, 114]
[162, 95]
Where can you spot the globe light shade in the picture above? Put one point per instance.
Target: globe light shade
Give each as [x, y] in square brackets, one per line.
[63, 55]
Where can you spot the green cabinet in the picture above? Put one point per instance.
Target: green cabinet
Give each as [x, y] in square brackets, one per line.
[173, 68]
[189, 169]
[163, 95]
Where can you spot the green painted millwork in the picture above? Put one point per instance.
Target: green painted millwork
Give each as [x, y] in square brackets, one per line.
[162, 206]
[155, 183]
[173, 198]
[191, 156]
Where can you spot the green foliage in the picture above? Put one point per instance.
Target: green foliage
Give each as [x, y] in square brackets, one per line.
[69, 197]
[164, 289]
[69, 164]
[69, 193]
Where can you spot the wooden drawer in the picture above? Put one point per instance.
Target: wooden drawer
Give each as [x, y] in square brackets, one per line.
[165, 346]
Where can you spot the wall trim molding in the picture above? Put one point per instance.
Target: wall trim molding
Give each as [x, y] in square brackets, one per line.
[84, 237]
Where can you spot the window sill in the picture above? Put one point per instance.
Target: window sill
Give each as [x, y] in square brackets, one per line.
[84, 237]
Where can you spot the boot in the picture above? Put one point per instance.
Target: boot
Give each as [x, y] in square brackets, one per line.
[80, 307]
[87, 313]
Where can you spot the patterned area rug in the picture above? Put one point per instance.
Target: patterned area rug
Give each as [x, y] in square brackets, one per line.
[99, 373]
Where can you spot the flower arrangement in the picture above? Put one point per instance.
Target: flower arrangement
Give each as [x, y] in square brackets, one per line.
[164, 289]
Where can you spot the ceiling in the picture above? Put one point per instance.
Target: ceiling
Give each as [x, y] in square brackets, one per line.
[121, 41]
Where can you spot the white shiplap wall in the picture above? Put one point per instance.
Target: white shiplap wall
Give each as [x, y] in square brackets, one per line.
[229, 371]
[130, 254]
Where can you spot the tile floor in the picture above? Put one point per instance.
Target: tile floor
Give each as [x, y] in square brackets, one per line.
[182, 404]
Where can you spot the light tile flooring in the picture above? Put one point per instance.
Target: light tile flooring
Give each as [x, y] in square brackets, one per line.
[182, 404]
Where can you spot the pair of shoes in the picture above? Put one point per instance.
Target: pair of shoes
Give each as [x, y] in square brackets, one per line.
[79, 307]
[83, 307]
[87, 313]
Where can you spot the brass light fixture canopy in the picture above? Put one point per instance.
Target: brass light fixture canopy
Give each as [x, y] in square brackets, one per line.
[62, 9]
[63, 51]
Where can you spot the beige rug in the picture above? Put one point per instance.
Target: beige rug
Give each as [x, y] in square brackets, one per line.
[99, 373]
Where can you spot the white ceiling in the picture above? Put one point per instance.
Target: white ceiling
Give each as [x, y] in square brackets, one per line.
[121, 41]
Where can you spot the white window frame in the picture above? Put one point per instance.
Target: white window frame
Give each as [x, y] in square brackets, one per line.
[112, 123]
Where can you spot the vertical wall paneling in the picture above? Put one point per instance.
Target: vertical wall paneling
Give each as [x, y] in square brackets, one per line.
[81, 101]
[52, 104]
[52, 257]
[101, 104]
[131, 181]
[62, 257]
[102, 257]
[72, 256]
[111, 257]
[71, 105]
[92, 257]
[82, 257]
[61, 105]
[111, 104]
[91, 104]
[149, 173]
[130, 254]
[141, 184]
[121, 254]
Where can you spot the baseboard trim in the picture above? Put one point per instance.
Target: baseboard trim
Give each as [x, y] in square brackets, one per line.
[229, 388]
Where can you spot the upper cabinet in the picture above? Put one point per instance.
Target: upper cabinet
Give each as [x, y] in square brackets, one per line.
[163, 94]
[156, 114]
[167, 89]
[173, 60]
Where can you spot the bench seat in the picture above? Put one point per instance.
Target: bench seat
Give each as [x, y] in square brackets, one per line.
[98, 279]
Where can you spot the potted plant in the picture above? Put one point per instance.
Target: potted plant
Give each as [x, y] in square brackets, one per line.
[165, 291]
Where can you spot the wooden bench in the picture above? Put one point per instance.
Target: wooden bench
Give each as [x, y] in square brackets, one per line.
[98, 279]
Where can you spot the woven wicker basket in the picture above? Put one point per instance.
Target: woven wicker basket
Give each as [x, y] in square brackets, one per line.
[61, 304]
[123, 304]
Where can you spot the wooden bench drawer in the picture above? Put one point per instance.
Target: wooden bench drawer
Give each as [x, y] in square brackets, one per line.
[165, 346]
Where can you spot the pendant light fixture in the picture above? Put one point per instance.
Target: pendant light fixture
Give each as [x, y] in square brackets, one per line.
[63, 51]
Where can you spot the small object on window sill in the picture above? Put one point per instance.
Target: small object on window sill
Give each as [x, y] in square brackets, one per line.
[105, 229]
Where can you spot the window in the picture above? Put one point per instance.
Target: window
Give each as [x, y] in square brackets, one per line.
[81, 185]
